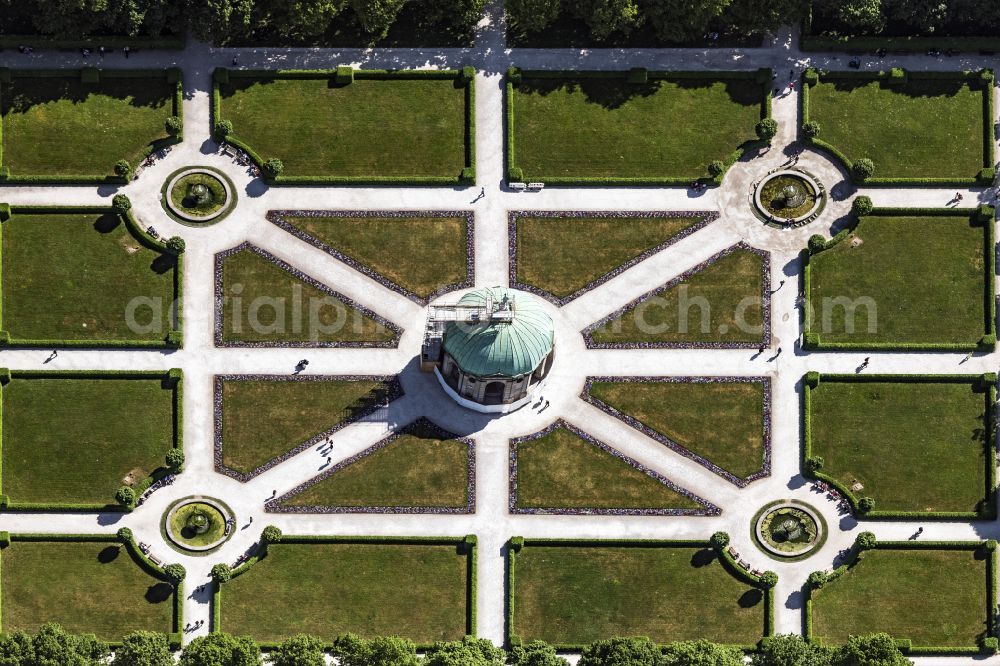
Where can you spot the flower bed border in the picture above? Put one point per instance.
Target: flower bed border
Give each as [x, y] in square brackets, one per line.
[708, 510]
[312, 282]
[765, 469]
[274, 505]
[707, 217]
[765, 309]
[276, 217]
[395, 392]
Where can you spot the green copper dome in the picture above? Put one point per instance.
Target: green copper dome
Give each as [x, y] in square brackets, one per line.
[505, 345]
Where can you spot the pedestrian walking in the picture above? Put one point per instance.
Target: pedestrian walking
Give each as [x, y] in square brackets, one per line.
[778, 353]
[791, 74]
[235, 62]
[760, 350]
[126, 50]
[864, 364]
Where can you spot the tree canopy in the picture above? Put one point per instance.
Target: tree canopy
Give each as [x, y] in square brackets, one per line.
[144, 648]
[221, 650]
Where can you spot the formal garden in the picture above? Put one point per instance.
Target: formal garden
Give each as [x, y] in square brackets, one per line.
[560, 125]
[71, 440]
[905, 447]
[351, 126]
[374, 583]
[86, 125]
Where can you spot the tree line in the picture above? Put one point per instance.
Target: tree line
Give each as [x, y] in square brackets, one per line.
[53, 646]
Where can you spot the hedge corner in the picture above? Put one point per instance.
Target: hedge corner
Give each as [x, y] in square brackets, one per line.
[344, 75]
[175, 339]
[90, 75]
[811, 340]
[5, 535]
[515, 174]
[516, 544]
[220, 75]
[812, 378]
[468, 176]
[4, 376]
[4, 212]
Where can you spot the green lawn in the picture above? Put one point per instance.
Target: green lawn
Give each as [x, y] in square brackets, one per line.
[573, 595]
[87, 587]
[913, 446]
[932, 597]
[58, 126]
[575, 127]
[370, 128]
[266, 303]
[410, 242]
[77, 440]
[327, 589]
[902, 279]
[722, 422]
[73, 277]
[562, 255]
[417, 469]
[928, 128]
[263, 419]
[721, 303]
[561, 470]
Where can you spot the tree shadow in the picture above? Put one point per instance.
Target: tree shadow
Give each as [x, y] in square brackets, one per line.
[163, 263]
[109, 554]
[610, 93]
[751, 598]
[795, 600]
[703, 558]
[107, 223]
[159, 593]
[27, 92]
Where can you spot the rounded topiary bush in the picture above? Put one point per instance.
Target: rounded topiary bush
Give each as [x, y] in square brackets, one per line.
[273, 167]
[816, 243]
[862, 205]
[271, 534]
[766, 129]
[173, 125]
[176, 244]
[121, 203]
[811, 129]
[123, 168]
[862, 169]
[769, 579]
[124, 534]
[222, 129]
[175, 573]
[719, 539]
[866, 505]
[817, 579]
[814, 463]
[125, 496]
[222, 572]
[865, 541]
[174, 458]
[715, 168]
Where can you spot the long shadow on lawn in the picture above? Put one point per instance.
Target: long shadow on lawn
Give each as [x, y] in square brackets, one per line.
[613, 93]
[28, 92]
[912, 88]
[159, 593]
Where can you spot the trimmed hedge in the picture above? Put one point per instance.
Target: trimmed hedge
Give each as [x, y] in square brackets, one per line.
[897, 76]
[173, 377]
[467, 544]
[989, 547]
[171, 74]
[466, 177]
[515, 173]
[986, 382]
[516, 544]
[984, 214]
[173, 339]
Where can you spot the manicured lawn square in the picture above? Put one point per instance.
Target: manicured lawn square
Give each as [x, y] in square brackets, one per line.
[84, 277]
[370, 128]
[87, 587]
[913, 446]
[576, 127]
[58, 126]
[932, 597]
[76, 440]
[572, 595]
[374, 589]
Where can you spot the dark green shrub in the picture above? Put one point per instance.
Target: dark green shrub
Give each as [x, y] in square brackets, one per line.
[220, 75]
[811, 129]
[817, 579]
[174, 126]
[865, 541]
[222, 572]
[873, 650]
[173, 74]
[766, 128]
[716, 168]
[4, 212]
[344, 75]
[468, 74]
[515, 175]
[125, 496]
[143, 648]
[516, 544]
[176, 245]
[632, 650]
[638, 75]
[862, 205]
[812, 379]
[534, 653]
[769, 579]
[468, 175]
[221, 650]
[469, 651]
[175, 573]
[271, 534]
[811, 77]
[989, 645]
[514, 76]
[222, 129]
[814, 464]
[174, 458]
[123, 168]
[4, 539]
[986, 176]
[273, 167]
[897, 76]
[90, 75]
[121, 203]
[862, 169]
[986, 78]
[4, 74]
[124, 534]
[719, 540]
[816, 243]
[352, 650]
[300, 650]
[866, 505]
